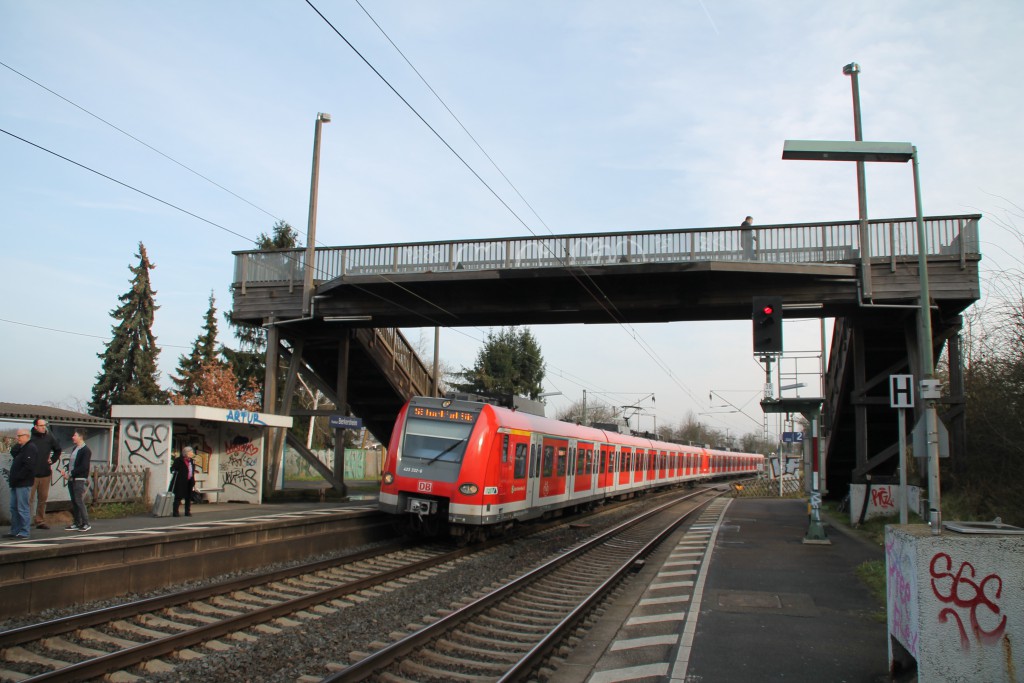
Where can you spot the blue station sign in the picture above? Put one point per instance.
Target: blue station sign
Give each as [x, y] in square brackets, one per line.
[346, 422]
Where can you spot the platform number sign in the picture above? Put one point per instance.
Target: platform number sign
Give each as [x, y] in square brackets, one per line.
[901, 391]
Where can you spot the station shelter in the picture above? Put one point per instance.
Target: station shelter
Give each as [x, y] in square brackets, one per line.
[229, 447]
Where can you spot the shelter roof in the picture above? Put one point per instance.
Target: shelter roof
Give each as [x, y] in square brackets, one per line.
[28, 411]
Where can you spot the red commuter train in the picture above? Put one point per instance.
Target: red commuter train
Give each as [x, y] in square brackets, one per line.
[476, 468]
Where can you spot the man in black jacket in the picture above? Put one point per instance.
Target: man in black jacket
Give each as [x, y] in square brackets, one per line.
[77, 478]
[20, 479]
[49, 453]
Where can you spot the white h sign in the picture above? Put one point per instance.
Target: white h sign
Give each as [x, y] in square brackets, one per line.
[901, 391]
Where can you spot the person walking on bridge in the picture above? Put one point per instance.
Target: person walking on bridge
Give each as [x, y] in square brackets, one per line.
[748, 240]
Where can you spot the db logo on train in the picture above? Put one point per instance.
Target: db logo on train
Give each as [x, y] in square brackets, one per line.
[424, 486]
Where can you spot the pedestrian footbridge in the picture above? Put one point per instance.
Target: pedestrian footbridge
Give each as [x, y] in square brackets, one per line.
[339, 328]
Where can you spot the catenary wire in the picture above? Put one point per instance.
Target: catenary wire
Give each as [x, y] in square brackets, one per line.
[613, 312]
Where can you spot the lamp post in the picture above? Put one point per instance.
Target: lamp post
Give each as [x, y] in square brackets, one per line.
[853, 70]
[900, 152]
[307, 281]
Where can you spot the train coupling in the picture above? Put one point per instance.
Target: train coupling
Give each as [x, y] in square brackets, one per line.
[421, 506]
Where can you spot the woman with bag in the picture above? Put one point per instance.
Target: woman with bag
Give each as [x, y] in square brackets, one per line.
[183, 480]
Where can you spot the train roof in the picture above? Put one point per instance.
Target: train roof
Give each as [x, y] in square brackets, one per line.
[514, 419]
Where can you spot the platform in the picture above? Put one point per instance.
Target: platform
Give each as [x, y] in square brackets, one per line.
[137, 554]
[738, 598]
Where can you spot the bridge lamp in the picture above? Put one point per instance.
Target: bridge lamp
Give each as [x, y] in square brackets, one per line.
[898, 152]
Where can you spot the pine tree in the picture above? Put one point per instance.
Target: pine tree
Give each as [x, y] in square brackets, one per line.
[204, 352]
[509, 364]
[129, 373]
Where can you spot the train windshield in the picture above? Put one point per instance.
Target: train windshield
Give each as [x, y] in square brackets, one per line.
[435, 441]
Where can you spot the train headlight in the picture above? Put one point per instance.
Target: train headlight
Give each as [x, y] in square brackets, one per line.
[469, 489]
[388, 478]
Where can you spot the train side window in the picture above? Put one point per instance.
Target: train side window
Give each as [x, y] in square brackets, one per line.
[581, 461]
[549, 461]
[574, 463]
[561, 462]
[520, 463]
[504, 449]
[533, 460]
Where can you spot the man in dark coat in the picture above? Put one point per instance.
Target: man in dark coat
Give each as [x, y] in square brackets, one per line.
[183, 473]
[20, 479]
[77, 479]
[49, 453]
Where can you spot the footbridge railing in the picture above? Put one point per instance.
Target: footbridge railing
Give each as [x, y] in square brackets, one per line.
[891, 239]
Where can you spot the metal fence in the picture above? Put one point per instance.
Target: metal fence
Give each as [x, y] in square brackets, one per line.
[896, 238]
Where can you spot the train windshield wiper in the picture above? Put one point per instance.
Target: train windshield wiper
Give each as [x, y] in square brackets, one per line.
[449, 449]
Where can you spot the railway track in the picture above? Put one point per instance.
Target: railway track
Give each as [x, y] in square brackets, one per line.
[508, 634]
[137, 634]
[132, 641]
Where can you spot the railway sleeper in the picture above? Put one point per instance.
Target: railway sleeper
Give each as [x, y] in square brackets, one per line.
[506, 626]
[59, 644]
[470, 639]
[21, 655]
[487, 666]
[454, 648]
[424, 672]
[521, 617]
[500, 632]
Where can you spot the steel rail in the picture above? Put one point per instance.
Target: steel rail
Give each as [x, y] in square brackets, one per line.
[376, 662]
[53, 627]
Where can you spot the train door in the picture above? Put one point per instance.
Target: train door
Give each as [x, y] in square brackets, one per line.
[534, 469]
[553, 468]
[604, 477]
[705, 463]
[515, 460]
[584, 468]
[625, 467]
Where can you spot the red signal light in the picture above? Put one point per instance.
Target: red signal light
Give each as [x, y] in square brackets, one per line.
[767, 310]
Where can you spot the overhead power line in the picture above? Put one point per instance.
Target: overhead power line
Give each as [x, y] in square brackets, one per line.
[141, 142]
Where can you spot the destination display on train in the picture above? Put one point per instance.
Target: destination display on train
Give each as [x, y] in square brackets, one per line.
[446, 414]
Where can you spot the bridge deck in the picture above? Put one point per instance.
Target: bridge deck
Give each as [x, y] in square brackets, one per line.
[648, 276]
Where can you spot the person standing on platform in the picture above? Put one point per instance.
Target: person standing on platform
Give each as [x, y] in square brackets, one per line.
[21, 479]
[748, 240]
[183, 471]
[77, 479]
[48, 451]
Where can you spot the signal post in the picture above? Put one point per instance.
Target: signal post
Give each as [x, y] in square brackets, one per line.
[766, 316]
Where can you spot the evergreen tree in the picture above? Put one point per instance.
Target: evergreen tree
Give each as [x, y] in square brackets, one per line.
[248, 362]
[509, 364]
[129, 373]
[204, 352]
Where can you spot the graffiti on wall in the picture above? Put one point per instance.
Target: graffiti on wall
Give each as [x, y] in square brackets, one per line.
[239, 465]
[902, 595]
[881, 497]
[147, 442]
[978, 600]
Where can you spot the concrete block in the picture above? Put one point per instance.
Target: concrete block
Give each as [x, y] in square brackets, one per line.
[955, 604]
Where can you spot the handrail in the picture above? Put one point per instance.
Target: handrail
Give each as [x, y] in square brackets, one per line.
[889, 239]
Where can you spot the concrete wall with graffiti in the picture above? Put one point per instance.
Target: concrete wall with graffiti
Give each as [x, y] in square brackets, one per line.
[228, 457]
[882, 500]
[956, 603]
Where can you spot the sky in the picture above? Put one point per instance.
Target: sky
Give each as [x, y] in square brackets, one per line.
[604, 116]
